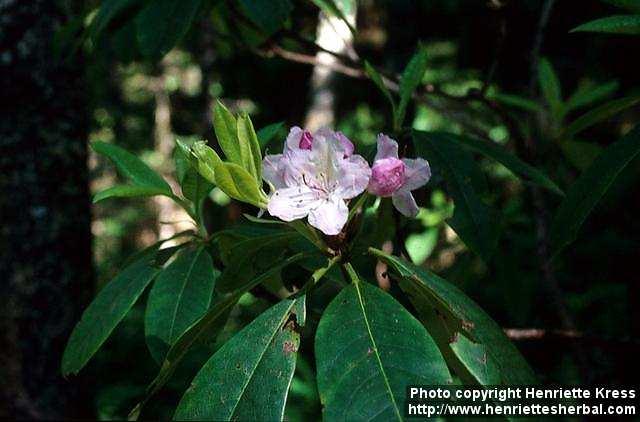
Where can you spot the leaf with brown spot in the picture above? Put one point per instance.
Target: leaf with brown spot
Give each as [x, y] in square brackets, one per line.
[251, 391]
[447, 312]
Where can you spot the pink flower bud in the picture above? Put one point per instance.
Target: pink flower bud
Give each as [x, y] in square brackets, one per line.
[306, 140]
[387, 176]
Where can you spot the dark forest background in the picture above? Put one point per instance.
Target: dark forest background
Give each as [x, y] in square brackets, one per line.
[576, 320]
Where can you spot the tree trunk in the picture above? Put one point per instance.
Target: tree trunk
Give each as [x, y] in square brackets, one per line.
[45, 244]
[333, 35]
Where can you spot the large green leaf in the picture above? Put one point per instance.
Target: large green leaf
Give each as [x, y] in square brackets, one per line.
[163, 23]
[249, 377]
[231, 178]
[504, 157]
[515, 101]
[206, 160]
[580, 154]
[251, 155]
[194, 187]
[127, 191]
[207, 326]
[599, 114]
[132, 167]
[410, 80]
[588, 94]
[268, 15]
[550, 86]
[268, 133]
[474, 345]
[475, 223]
[105, 312]
[236, 182]
[377, 79]
[109, 10]
[368, 350]
[253, 256]
[618, 24]
[593, 183]
[180, 296]
[225, 126]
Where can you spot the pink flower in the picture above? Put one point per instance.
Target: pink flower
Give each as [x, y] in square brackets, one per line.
[396, 178]
[315, 181]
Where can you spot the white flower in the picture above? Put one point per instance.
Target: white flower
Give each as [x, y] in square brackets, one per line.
[313, 177]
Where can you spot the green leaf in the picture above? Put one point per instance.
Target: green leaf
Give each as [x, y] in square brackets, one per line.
[618, 24]
[410, 80]
[109, 10]
[473, 344]
[589, 94]
[550, 86]
[368, 350]
[515, 101]
[377, 79]
[132, 167]
[267, 133]
[580, 154]
[593, 183]
[472, 220]
[239, 184]
[252, 256]
[105, 312]
[183, 158]
[206, 160]
[231, 178]
[209, 325]
[599, 114]
[268, 15]
[195, 187]
[631, 5]
[179, 297]
[163, 23]
[249, 377]
[251, 155]
[157, 255]
[504, 157]
[128, 191]
[225, 125]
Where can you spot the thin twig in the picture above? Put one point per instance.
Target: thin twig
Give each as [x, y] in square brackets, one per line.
[541, 334]
[422, 95]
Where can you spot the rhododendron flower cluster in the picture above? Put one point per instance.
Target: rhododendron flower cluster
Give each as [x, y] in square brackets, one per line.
[317, 173]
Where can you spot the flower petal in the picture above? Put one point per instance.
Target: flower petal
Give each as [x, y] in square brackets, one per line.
[272, 170]
[340, 141]
[297, 167]
[353, 177]
[329, 216]
[293, 139]
[290, 204]
[387, 148]
[387, 176]
[417, 173]
[405, 203]
[345, 143]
